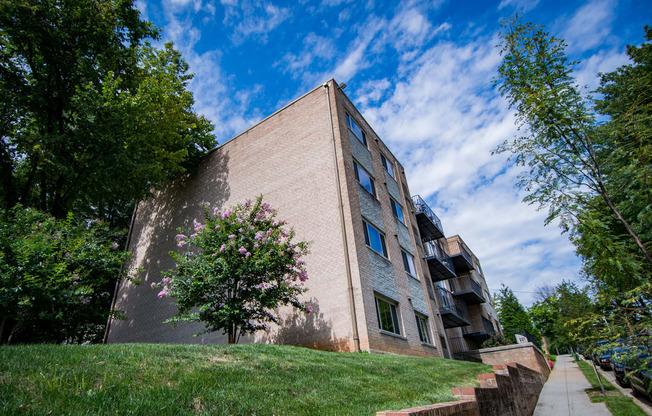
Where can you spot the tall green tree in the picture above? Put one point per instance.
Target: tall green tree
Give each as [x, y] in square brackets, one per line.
[513, 317]
[591, 173]
[92, 117]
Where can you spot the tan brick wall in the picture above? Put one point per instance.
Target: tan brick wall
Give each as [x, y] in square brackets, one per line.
[289, 159]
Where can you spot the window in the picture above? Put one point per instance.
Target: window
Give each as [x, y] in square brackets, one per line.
[387, 165]
[374, 239]
[365, 179]
[422, 325]
[387, 316]
[357, 131]
[408, 263]
[397, 210]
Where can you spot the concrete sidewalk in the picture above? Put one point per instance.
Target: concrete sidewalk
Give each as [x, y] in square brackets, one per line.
[563, 394]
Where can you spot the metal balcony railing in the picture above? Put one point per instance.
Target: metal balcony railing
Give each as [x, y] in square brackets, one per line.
[430, 228]
[467, 289]
[461, 255]
[450, 304]
[434, 249]
[488, 326]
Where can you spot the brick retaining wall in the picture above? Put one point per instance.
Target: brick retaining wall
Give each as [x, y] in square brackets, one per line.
[512, 390]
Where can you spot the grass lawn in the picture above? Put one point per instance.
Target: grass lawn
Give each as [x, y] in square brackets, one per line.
[164, 379]
[617, 404]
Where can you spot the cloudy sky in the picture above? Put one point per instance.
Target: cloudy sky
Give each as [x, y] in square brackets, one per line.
[420, 72]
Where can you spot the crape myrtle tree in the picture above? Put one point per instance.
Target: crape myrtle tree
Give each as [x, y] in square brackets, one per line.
[588, 159]
[238, 266]
[57, 277]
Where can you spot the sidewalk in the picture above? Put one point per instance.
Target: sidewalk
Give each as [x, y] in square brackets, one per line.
[563, 394]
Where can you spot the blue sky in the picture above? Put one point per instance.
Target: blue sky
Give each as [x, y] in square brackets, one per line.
[420, 73]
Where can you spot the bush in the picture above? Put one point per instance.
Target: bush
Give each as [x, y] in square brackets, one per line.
[56, 277]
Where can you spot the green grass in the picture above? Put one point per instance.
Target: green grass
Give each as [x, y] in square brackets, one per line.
[160, 379]
[617, 404]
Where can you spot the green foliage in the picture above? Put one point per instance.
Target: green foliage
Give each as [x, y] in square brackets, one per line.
[240, 265]
[497, 341]
[591, 173]
[512, 315]
[92, 117]
[56, 277]
[249, 379]
[557, 316]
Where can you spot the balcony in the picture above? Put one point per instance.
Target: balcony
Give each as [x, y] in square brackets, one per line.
[468, 290]
[440, 265]
[482, 334]
[429, 224]
[453, 311]
[460, 254]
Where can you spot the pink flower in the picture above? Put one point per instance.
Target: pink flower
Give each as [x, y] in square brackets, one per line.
[222, 248]
[240, 230]
[255, 245]
[308, 309]
[259, 235]
[181, 243]
[198, 225]
[115, 245]
[162, 294]
[75, 277]
[180, 237]
[75, 283]
[246, 203]
[240, 221]
[217, 212]
[242, 250]
[303, 276]
[214, 255]
[67, 255]
[165, 280]
[247, 254]
[193, 235]
[232, 236]
[153, 285]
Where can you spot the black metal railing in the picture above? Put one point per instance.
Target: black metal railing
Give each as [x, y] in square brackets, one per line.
[421, 207]
[434, 249]
[451, 304]
[462, 250]
[488, 326]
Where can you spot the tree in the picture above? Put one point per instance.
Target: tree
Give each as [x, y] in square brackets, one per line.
[513, 316]
[92, 117]
[238, 267]
[56, 277]
[592, 173]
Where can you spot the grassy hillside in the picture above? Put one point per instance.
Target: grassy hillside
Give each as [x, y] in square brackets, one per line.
[154, 379]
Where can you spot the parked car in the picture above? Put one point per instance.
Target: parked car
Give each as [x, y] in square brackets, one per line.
[597, 350]
[602, 354]
[640, 377]
[619, 359]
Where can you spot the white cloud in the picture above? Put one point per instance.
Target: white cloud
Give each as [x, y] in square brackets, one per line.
[590, 26]
[523, 5]
[253, 19]
[441, 120]
[586, 73]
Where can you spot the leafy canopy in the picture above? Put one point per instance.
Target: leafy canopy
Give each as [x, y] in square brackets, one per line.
[56, 277]
[237, 268]
[91, 116]
[588, 159]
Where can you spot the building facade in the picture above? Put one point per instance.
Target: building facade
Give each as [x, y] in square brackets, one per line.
[329, 175]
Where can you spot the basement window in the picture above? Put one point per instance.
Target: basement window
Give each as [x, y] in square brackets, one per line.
[422, 326]
[387, 316]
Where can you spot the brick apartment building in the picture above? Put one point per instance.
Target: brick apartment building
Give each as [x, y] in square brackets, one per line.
[383, 277]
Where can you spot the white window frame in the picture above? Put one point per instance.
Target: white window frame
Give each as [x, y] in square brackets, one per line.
[381, 237]
[422, 327]
[393, 311]
[408, 263]
[360, 171]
